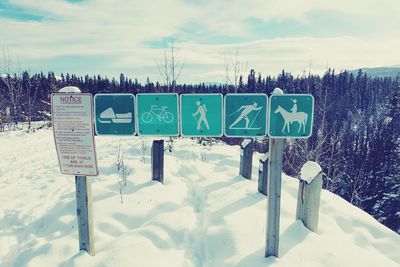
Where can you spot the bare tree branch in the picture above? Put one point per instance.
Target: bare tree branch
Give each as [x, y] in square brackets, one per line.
[171, 67]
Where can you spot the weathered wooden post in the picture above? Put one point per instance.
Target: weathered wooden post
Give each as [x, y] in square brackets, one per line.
[276, 146]
[84, 210]
[308, 197]
[263, 175]
[157, 161]
[246, 158]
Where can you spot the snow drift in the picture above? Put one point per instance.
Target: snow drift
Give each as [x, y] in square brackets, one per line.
[204, 215]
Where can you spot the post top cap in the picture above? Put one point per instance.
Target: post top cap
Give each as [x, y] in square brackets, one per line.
[277, 91]
[69, 89]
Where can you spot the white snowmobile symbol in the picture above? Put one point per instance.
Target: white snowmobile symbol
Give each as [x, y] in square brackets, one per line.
[108, 116]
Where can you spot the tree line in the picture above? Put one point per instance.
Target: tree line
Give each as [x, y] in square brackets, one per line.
[356, 134]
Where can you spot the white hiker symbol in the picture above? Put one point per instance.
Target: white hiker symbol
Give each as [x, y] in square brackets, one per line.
[244, 115]
[293, 116]
[160, 113]
[201, 108]
[108, 116]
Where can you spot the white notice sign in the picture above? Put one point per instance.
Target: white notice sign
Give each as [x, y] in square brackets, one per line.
[72, 117]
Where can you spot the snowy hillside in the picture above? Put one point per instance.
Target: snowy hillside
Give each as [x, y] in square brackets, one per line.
[204, 215]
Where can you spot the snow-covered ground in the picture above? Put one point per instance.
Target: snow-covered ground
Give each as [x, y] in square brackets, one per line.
[204, 215]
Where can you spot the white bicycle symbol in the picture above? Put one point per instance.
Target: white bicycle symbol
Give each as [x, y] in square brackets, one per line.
[159, 113]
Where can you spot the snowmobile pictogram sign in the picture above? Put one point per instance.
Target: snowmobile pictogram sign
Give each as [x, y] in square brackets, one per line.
[114, 114]
[201, 115]
[245, 115]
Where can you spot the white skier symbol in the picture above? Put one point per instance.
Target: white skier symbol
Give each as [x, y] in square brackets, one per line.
[293, 116]
[244, 115]
[202, 110]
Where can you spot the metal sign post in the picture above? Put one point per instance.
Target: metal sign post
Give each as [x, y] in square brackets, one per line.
[276, 146]
[72, 119]
[84, 211]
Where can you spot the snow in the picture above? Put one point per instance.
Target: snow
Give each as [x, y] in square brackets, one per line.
[277, 91]
[309, 171]
[246, 142]
[69, 89]
[264, 157]
[204, 215]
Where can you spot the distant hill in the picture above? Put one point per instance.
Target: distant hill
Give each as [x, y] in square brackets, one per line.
[392, 71]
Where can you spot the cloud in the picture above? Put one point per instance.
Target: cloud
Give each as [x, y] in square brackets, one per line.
[125, 33]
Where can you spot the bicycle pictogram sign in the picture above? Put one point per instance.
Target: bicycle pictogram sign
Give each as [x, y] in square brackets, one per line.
[157, 114]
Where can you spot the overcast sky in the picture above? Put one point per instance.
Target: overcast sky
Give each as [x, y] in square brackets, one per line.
[108, 37]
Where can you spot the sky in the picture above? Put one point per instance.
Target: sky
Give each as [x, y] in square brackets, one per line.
[109, 37]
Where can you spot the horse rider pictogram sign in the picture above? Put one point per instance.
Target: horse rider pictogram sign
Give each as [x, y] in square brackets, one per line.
[291, 115]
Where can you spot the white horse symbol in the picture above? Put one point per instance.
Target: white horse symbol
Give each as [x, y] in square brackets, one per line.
[289, 117]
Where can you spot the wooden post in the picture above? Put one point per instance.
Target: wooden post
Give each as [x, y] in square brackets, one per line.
[246, 158]
[157, 161]
[263, 175]
[308, 199]
[276, 146]
[84, 211]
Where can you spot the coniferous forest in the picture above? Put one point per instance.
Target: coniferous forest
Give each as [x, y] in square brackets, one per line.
[356, 134]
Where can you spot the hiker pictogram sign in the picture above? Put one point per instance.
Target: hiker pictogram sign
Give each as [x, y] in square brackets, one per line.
[201, 115]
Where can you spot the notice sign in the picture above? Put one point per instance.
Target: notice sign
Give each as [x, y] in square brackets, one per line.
[72, 117]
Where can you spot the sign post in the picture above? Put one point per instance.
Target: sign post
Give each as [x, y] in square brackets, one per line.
[276, 146]
[245, 115]
[201, 115]
[263, 174]
[72, 119]
[114, 114]
[84, 211]
[157, 161]
[246, 158]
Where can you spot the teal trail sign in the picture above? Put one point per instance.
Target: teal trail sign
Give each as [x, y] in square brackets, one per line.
[114, 114]
[291, 116]
[245, 115]
[201, 115]
[157, 114]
